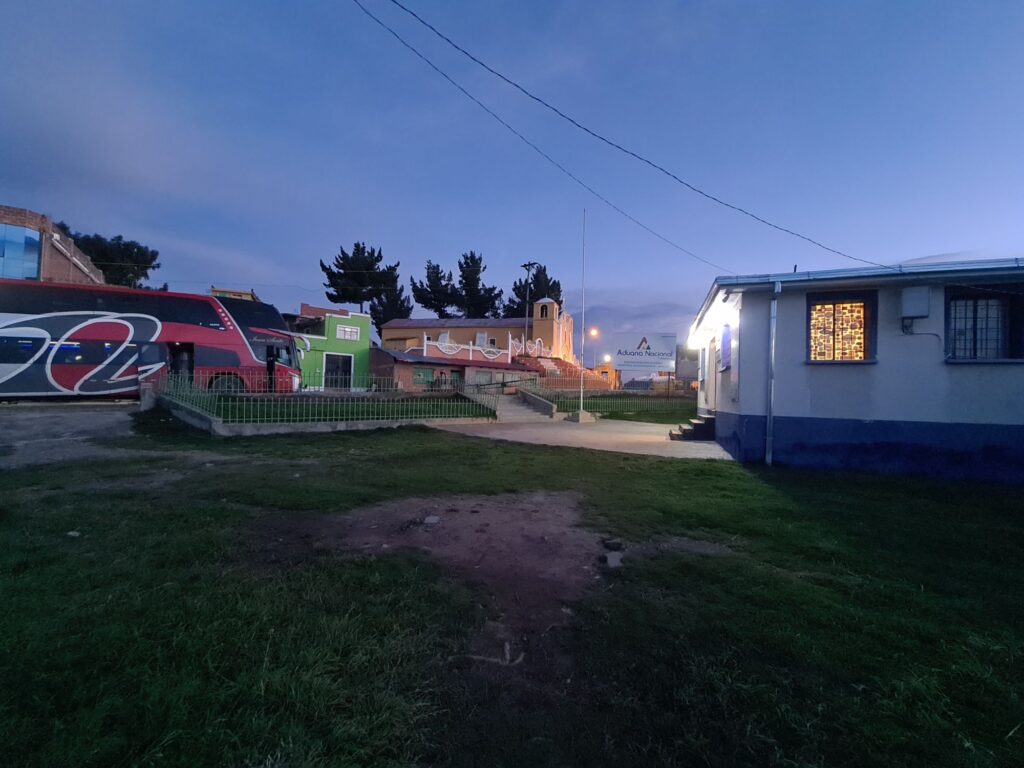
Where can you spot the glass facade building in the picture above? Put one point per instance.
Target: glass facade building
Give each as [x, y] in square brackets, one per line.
[19, 252]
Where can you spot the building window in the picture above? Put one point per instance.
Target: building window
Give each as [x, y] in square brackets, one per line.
[423, 376]
[543, 310]
[985, 325]
[492, 342]
[19, 252]
[347, 332]
[839, 328]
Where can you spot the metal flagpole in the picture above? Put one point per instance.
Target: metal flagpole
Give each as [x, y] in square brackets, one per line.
[583, 311]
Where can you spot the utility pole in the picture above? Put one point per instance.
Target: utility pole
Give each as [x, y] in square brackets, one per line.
[583, 311]
[529, 267]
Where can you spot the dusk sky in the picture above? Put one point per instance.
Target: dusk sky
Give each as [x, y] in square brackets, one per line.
[248, 140]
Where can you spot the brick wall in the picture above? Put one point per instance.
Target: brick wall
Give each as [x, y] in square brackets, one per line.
[60, 259]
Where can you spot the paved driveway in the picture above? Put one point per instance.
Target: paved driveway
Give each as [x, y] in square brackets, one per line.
[41, 433]
[603, 435]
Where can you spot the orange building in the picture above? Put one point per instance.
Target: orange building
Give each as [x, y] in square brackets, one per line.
[547, 333]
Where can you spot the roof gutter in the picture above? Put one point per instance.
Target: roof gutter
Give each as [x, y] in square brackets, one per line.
[961, 270]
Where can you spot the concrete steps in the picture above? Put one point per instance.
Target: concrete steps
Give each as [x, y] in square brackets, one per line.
[700, 428]
[511, 409]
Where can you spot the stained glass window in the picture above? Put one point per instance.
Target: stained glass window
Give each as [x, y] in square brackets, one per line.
[838, 331]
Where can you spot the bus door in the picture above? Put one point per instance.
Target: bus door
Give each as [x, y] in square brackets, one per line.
[271, 367]
[183, 359]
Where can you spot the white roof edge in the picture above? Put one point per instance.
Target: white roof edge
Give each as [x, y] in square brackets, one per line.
[894, 272]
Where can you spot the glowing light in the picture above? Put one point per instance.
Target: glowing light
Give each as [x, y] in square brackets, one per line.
[607, 358]
[837, 331]
[593, 333]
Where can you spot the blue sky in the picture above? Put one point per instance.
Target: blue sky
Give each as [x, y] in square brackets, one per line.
[247, 140]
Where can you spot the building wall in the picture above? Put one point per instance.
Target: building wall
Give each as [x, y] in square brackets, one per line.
[910, 379]
[313, 359]
[555, 331]
[60, 260]
[908, 409]
[403, 339]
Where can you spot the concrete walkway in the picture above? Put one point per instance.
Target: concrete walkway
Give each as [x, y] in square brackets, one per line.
[604, 435]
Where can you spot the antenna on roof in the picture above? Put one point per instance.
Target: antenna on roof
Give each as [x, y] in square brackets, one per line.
[794, 269]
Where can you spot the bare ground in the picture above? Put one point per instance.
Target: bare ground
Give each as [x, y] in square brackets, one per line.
[526, 553]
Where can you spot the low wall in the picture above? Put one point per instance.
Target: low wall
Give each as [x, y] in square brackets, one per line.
[538, 403]
[215, 426]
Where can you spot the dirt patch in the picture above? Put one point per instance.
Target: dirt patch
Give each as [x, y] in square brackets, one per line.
[527, 554]
[527, 551]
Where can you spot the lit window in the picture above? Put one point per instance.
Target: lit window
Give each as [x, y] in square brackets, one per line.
[985, 325]
[838, 329]
[347, 333]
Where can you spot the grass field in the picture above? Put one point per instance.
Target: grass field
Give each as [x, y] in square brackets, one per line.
[617, 403]
[313, 408]
[680, 413]
[863, 621]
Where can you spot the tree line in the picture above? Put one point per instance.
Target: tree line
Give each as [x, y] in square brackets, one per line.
[358, 276]
[123, 262]
[361, 277]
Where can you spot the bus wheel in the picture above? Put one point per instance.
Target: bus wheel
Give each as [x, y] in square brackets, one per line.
[226, 385]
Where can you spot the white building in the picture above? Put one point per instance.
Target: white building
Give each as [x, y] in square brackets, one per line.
[916, 368]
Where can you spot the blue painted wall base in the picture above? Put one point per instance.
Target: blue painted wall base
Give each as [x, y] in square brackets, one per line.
[987, 452]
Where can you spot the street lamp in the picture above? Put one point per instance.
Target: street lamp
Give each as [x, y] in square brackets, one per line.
[529, 266]
[594, 333]
[607, 358]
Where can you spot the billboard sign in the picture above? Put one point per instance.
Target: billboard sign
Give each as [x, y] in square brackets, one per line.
[643, 351]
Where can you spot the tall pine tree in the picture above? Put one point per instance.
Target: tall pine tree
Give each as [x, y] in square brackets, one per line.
[357, 277]
[542, 286]
[437, 293]
[473, 298]
[392, 304]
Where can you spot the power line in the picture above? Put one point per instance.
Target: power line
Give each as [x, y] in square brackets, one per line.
[623, 149]
[533, 146]
[620, 147]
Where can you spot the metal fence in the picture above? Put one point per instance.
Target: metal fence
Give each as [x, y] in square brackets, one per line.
[607, 401]
[346, 399]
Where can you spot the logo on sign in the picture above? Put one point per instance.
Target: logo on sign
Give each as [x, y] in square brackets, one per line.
[643, 346]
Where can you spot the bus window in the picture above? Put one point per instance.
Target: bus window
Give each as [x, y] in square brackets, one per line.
[284, 356]
[17, 351]
[150, 354]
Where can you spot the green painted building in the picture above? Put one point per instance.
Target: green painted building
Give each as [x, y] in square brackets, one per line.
[335, 347]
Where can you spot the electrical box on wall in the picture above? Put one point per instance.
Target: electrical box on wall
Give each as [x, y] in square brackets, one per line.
[914, 302]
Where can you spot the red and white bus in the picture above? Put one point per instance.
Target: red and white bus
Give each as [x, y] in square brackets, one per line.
[67, 340]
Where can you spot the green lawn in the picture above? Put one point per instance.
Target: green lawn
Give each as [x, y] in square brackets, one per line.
[864, 621]
[618, 403]
[680, 413]
[313, 408]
